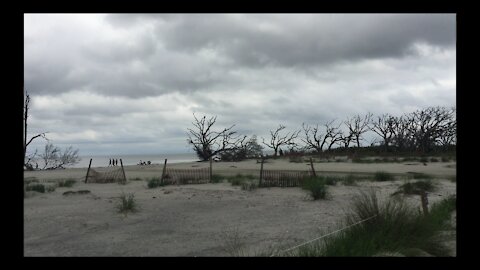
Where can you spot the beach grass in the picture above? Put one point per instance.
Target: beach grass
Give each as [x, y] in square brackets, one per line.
[155, 182]
[316, 186]
[127, 203]
[393, 228]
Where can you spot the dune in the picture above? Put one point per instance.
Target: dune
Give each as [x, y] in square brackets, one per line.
[195, 220]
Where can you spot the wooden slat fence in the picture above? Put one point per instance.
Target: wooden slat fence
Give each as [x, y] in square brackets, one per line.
[273, 178]
[187, 176]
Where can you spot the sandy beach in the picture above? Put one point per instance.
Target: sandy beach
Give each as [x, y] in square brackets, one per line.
[198, 220]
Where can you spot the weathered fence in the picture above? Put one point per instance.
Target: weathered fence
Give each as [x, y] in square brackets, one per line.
[274, 178]
[187, 176]
[110, 176]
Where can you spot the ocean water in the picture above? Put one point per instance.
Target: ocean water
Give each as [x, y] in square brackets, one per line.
[102, 161]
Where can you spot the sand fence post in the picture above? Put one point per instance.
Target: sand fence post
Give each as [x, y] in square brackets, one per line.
[210, 173]
[124, 177]
[261, 173]
[313, 169]
[89, 164]
[163, 172]
[424, 198]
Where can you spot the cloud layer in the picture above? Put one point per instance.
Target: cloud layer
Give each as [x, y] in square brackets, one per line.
[130, 82]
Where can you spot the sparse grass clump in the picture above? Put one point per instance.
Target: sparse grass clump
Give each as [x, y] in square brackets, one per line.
[42, 188]
[316, 186]
[249, 185]
[239, 179]
[445, 159]
[394, 227]
[433, 159]
[127, 203]
[67, 183]
[217, 178]
[36, 187]
[155, 182]
[383, 176]
[136, 179]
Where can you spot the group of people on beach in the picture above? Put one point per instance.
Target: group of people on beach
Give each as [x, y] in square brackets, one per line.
[113, 162]
[144, 163]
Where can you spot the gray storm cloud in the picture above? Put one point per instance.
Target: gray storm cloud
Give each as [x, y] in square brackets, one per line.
[138, 77]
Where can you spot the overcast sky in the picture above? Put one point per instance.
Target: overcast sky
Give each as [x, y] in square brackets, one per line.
[130, 83]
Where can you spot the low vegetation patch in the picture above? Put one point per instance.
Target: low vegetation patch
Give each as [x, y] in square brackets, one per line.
[66, 183]
[383, 176]
[394, 227]
[70, 192]
[155, 182]
[127, 203]
[316, 186]
[217, 178]
[136, 179]
[42, 188]
[238, 179]
[415, 188]
[417, 175]
[249, 185]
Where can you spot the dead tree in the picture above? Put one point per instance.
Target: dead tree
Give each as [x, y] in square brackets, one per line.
[277, 140]
[25, 135]
[384, 126]
[357, 126]
[315, 140]
[207, 143]
[430, 123]
[53, 158]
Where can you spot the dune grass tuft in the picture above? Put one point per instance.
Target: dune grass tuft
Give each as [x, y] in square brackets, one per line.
[155, 182]
[127, 203]
[316, 186]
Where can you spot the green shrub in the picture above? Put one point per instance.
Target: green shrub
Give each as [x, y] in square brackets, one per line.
[136, 179]
[445, 159]
[383, 176]
[155, 182]
[127, 203]
[433, 159]
[424, 159]
[316, 186]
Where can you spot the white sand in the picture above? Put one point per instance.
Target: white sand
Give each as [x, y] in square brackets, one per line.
[195, 220]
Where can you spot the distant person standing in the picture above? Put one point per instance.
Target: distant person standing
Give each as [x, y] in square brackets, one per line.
[116, 162]
[109, 162]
